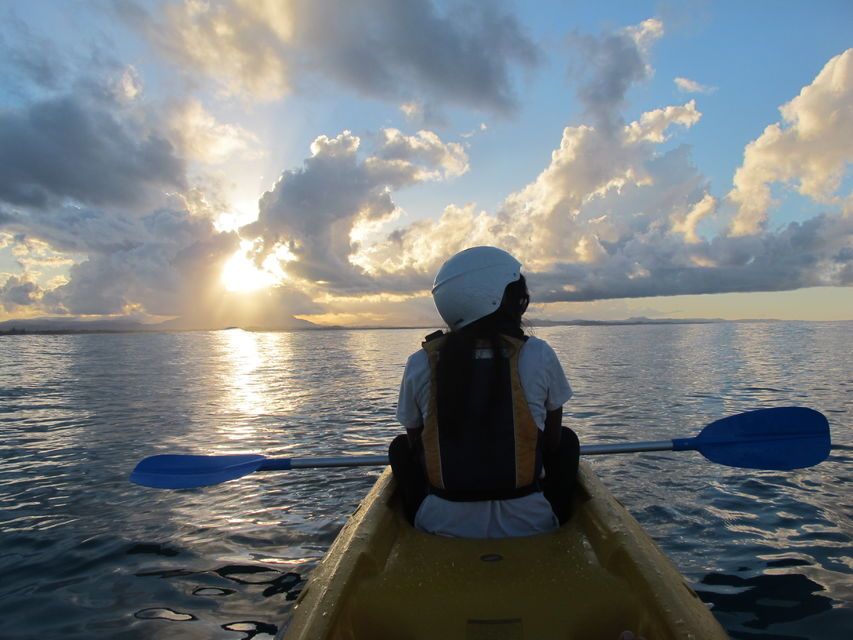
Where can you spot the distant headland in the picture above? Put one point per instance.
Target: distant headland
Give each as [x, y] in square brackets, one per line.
[60, 326]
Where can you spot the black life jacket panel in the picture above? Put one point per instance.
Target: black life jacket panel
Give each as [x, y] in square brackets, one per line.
[495, 451]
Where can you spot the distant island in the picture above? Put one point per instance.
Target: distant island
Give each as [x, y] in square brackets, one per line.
[636, 320]
[58, 326]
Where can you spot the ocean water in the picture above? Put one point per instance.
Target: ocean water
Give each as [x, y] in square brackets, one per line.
[84, 554]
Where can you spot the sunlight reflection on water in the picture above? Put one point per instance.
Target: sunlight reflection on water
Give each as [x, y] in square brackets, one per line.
[241, 357]
[769, 550]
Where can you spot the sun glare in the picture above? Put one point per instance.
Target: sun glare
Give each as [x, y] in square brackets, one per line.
[242, 275]
[241, 213]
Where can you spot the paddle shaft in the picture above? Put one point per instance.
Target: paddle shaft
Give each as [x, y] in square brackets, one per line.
[628, 447]
[280, 464]
[283, 464]
[678, 444]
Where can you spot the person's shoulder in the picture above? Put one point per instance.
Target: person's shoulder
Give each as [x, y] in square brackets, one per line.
[534, 341]
[537, 344]
[540, 351]
[418, 359]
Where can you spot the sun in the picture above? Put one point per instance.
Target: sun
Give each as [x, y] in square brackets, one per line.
[241, 275]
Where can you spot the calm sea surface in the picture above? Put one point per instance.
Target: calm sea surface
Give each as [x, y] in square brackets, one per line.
[85, 554]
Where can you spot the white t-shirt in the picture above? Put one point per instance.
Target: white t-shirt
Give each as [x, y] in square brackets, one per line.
[546, 389]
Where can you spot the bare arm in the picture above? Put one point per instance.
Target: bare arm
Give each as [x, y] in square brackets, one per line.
[553, 429]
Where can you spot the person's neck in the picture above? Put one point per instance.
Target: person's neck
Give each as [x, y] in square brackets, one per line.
[507, 327]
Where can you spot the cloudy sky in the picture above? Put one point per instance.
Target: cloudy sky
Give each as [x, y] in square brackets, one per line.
[249, 161]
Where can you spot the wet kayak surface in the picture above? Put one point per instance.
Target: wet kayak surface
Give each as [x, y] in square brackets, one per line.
[769, 551]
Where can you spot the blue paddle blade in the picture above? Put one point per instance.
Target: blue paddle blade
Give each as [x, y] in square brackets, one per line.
[186, 472]
[781, 438]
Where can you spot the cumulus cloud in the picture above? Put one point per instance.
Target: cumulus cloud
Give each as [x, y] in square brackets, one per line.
[426, 149]
[313, 210]
[463, 53]
[686, 224]
[813, 253]
[686, 85]
[637, 253]
[653, 125]
[811, 148]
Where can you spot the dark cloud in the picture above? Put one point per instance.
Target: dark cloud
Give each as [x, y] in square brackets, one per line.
[65, 148]
[78, 230]
[608, 66]
[7, 218]
[73, 130]
[18, 292]
[463, 53]
[401, 49]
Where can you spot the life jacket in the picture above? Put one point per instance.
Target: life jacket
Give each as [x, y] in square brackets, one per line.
[495, 453]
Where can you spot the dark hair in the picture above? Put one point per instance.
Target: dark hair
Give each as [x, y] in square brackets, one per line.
[456, 357]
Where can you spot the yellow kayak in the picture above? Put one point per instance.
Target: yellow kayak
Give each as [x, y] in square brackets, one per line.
[597, 576]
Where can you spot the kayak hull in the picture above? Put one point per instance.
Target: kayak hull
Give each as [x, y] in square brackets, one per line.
[597, 576]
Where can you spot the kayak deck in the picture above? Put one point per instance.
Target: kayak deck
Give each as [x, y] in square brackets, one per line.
[597, 576]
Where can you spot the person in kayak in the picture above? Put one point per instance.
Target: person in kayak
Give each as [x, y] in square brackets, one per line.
[482, 406]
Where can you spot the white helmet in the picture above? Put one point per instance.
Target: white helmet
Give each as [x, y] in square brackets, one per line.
[471, 284]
